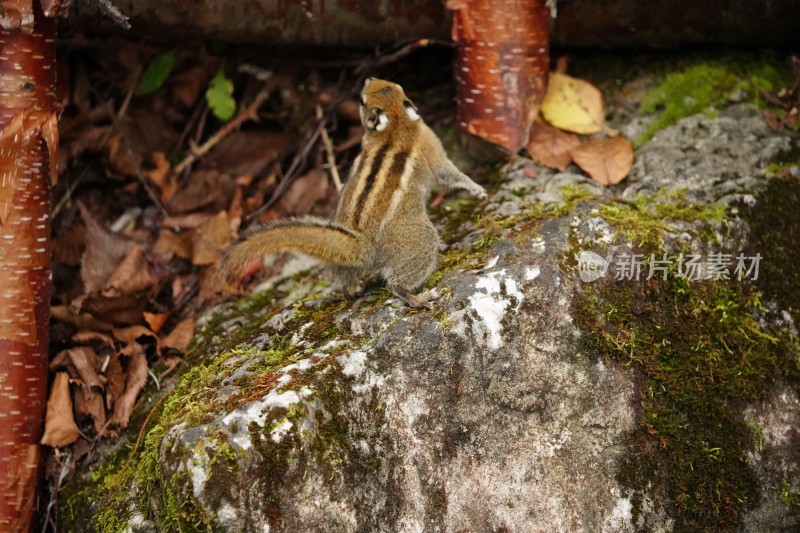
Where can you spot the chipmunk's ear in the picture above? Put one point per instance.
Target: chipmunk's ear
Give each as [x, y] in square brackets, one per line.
[411, 110]
[376, 119]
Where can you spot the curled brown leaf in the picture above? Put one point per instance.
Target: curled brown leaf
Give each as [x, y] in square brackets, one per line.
[607, 161]
[59, 425]
[551, 146]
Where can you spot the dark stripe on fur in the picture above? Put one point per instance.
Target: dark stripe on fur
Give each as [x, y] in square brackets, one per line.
[377, 165]
[392, 181]
[294, 222]
[350, 188]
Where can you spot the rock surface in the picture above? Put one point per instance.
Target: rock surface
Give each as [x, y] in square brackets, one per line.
[490, 412]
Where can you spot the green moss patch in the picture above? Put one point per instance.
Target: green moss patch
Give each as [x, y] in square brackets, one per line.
[701, 350]
[195, 401]
[710, 84]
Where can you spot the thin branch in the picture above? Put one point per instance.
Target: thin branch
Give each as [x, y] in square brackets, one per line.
[303, 154]
[189, 125]
[326, 142]
[148, 189]
[141, 433]
[289, 175]
[248, 113]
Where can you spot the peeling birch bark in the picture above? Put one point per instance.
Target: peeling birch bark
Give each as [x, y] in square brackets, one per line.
[28, 137]
[502, 66]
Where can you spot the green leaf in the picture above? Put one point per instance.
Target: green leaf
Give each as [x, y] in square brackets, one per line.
[157, 72]
[219, 96]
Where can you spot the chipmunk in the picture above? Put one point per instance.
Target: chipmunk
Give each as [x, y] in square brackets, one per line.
[381, 225]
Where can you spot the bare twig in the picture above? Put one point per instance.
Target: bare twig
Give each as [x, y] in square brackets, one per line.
[289, 175]
[776, 101]
[189, 125]
[302, 154]
[201, 126]
[141, 433]
[326, 142]
[248, 113]
[149, 190]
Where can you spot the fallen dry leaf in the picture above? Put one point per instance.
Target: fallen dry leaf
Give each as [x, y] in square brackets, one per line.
[82, 320]
[133, 334]
[114, 306]
[210, 239]
[249, 152]
[217, 229]
[772, 120]
[551, 146]
[183, 287]
[121, 158]
[155, 320]
[204, 252]
[93, 338]
[304, 193]
[115, 384]
[171, 364]
[257, 197]
[573, 105]
[132, 274]
[83, 139]
[104, 251]
[90, 408]
[135, 382]
[187, 85]
[204, 189]
[85, 362]
[607, 161]
[171, 244]
[180, 336]
[59, 425]
[142, 131]
[236, 212]
[162, 177]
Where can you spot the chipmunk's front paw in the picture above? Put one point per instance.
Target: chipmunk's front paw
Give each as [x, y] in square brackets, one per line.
[424, 300]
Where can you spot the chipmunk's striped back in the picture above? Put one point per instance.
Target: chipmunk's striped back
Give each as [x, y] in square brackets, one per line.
[386, 176]
[377, 186]
[381, 224]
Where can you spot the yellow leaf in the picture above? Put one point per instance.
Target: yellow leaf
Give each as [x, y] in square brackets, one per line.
[573, 105]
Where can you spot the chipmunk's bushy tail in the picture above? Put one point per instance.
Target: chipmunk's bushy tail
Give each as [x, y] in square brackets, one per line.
[331, 243]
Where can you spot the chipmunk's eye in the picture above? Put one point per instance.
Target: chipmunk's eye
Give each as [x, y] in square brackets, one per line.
[376, 120]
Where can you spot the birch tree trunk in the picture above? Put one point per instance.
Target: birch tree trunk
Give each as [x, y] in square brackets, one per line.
[28, 141]
[501, 72]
